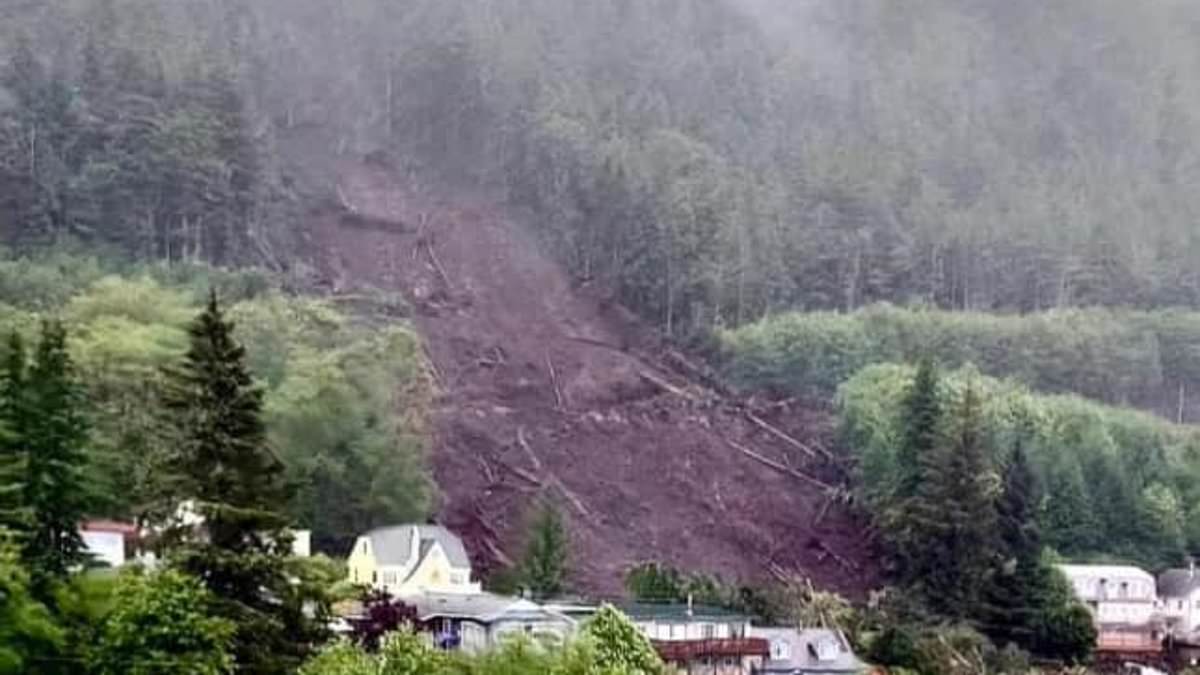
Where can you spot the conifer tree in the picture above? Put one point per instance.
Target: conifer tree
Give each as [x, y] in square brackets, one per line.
[922, 414]
[545, 565]
[50, 425]
[1011, 605]
[903, 514]
[14, 511]
[238, 485]
[954, 515]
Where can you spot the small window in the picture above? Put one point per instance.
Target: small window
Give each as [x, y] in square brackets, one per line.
[781, 650]
[708, 631]
[374, 577]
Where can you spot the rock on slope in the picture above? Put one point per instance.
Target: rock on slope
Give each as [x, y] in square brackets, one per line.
[548, 390]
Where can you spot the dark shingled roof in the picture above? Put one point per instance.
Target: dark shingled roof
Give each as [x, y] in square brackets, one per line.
[1178, 582]
[393, 545]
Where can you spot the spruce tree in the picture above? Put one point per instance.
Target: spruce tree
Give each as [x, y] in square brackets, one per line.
[954, 515]
[544, 567]
[50, 426]
[1011, 606]
[238, 486]
[903, 513]
[15, 518]
[922, 415]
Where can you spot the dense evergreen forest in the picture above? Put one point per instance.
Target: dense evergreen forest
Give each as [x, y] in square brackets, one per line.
[818, 194]
[711, 160]
[334, 383]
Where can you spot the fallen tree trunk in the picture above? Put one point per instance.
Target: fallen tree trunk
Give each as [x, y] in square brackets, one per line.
[664, 385]
[766, 461]
[777, 433]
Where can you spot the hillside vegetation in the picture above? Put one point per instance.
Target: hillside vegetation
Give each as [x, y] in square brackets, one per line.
[345, 400]
[1147, 359]
[1113, 484]
[711, 160]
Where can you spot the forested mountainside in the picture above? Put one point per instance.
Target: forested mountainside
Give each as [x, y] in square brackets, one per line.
[346, 399]
[478, 250]
[713, 160]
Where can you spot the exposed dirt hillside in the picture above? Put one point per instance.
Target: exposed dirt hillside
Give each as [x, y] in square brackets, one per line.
[547, 389]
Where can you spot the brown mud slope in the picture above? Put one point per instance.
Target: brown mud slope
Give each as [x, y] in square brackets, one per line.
[549, 390]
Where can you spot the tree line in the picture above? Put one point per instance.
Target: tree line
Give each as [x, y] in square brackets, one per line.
[711, 161]
[345, 391]
[1138, 358]
[230, 582]
[1111, 484]
[959, 518]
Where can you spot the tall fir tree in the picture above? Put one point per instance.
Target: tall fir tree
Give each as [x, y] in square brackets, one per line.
[239, 490]
[922, 415]
[954, 515]
[1011, 606]
[903, 512]
[50, 425]
[15, 517]
[544, 567]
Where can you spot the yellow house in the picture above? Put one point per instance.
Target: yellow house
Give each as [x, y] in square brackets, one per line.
[408, 560]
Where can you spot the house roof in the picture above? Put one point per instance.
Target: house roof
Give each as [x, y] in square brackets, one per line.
[393, 545]
[1106, 571]
[482, 607]
[110, 526]
[653, 611]
[1177, 583]
[803, 648]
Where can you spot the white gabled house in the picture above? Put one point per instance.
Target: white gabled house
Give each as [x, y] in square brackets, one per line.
[1123, 601]
[1179, 593]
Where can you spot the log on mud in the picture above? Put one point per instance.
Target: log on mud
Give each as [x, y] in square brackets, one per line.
[774, 431]
[664, 385]
[768, 462]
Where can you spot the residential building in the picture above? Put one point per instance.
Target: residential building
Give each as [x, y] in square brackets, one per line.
[700, 640]
[1123, 602]
[1179, 595]
[108, 542]
[473, 622]
[807, 652]
[407, 560]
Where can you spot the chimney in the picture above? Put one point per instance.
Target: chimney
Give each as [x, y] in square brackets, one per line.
[690, 611]
[1191, 568]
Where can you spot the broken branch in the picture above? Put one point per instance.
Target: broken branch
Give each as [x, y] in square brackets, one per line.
[558, 396]
[766, 461]
[760, 423]
[570, 496]
[437, 265]
[664, 385]
[537, 463]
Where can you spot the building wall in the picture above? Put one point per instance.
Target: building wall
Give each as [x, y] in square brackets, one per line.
[1183, 612]
[691, 630]
[361, 566]
[1136, 613]
[719, 665]
[436, 574]
[107, 547]
[539, 630]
